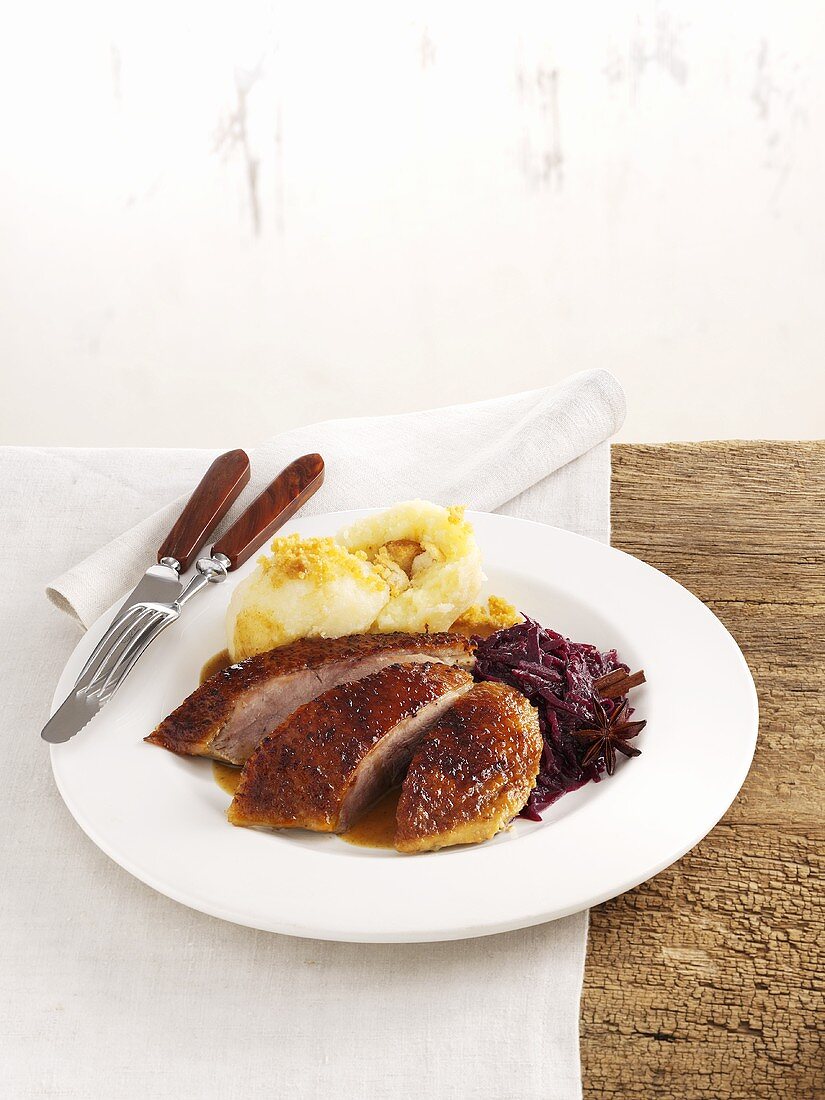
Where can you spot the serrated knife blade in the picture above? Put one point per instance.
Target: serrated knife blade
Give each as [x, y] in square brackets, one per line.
[70, 717]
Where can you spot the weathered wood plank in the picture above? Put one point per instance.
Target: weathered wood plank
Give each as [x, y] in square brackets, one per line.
[743, 526]
[707, 981]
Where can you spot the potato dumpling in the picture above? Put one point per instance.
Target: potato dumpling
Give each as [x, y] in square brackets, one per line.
[428, 556]
[308, 588]
[414, 568]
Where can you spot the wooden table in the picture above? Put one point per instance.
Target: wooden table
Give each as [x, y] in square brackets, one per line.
[707, 981]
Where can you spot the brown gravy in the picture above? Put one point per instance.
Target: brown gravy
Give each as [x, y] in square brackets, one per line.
[227, 776]
[215, 664]
[376, 829]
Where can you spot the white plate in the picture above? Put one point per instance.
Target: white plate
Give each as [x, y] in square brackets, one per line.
[161, 817]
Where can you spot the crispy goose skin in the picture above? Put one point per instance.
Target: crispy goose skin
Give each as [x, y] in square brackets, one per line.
[229, 714]
[472, 773]
[335, 756]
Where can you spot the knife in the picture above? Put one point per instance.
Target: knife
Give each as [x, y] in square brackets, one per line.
[217, 491]
[215, 494]
[138, 623]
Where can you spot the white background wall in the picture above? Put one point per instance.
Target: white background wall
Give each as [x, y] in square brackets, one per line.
[217, 221]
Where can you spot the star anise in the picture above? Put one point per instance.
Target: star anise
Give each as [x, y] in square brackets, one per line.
[610, 734]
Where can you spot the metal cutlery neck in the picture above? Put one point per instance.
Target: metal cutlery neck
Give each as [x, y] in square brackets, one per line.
[212, 570]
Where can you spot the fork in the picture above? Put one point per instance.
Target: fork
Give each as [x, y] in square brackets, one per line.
[124, 642]
[140, 624]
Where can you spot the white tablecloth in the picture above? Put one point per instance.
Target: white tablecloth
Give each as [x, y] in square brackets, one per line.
[112, 990]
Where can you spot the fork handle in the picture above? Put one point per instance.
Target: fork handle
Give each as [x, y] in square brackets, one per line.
[280, 500]
[218, 490]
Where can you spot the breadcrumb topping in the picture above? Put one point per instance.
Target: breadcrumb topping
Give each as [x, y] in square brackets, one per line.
[318, 560]
[481, 619]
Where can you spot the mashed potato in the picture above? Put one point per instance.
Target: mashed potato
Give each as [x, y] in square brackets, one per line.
[415, 567]
[307, 588]
[429, 557]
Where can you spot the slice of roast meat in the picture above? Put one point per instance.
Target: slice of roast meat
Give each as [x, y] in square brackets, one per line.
[471, 773]
[229, 714]
[334, 757]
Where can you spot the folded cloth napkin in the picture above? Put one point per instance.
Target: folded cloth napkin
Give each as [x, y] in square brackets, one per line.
[536, 455]
[271, 1015]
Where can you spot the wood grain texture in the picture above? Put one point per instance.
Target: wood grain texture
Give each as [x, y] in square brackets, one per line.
[707, 981]
[215, 494]
[270, 510]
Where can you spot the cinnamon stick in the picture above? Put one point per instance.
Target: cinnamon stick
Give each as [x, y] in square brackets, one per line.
[613, 685]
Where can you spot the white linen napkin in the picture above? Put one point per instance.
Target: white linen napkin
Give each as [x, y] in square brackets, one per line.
[214, 1009]
[535, 455]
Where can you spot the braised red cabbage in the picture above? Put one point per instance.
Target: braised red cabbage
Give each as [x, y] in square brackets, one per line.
[557, 677]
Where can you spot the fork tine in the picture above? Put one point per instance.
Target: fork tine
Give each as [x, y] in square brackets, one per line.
[104, 646]
[132, 652]
[129, 628]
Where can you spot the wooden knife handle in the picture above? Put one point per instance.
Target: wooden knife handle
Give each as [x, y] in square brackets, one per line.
[277, 503]
[218, 490]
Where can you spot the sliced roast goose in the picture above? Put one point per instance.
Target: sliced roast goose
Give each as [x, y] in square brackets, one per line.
[335, 756]
[229, 714]
[472, 772]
